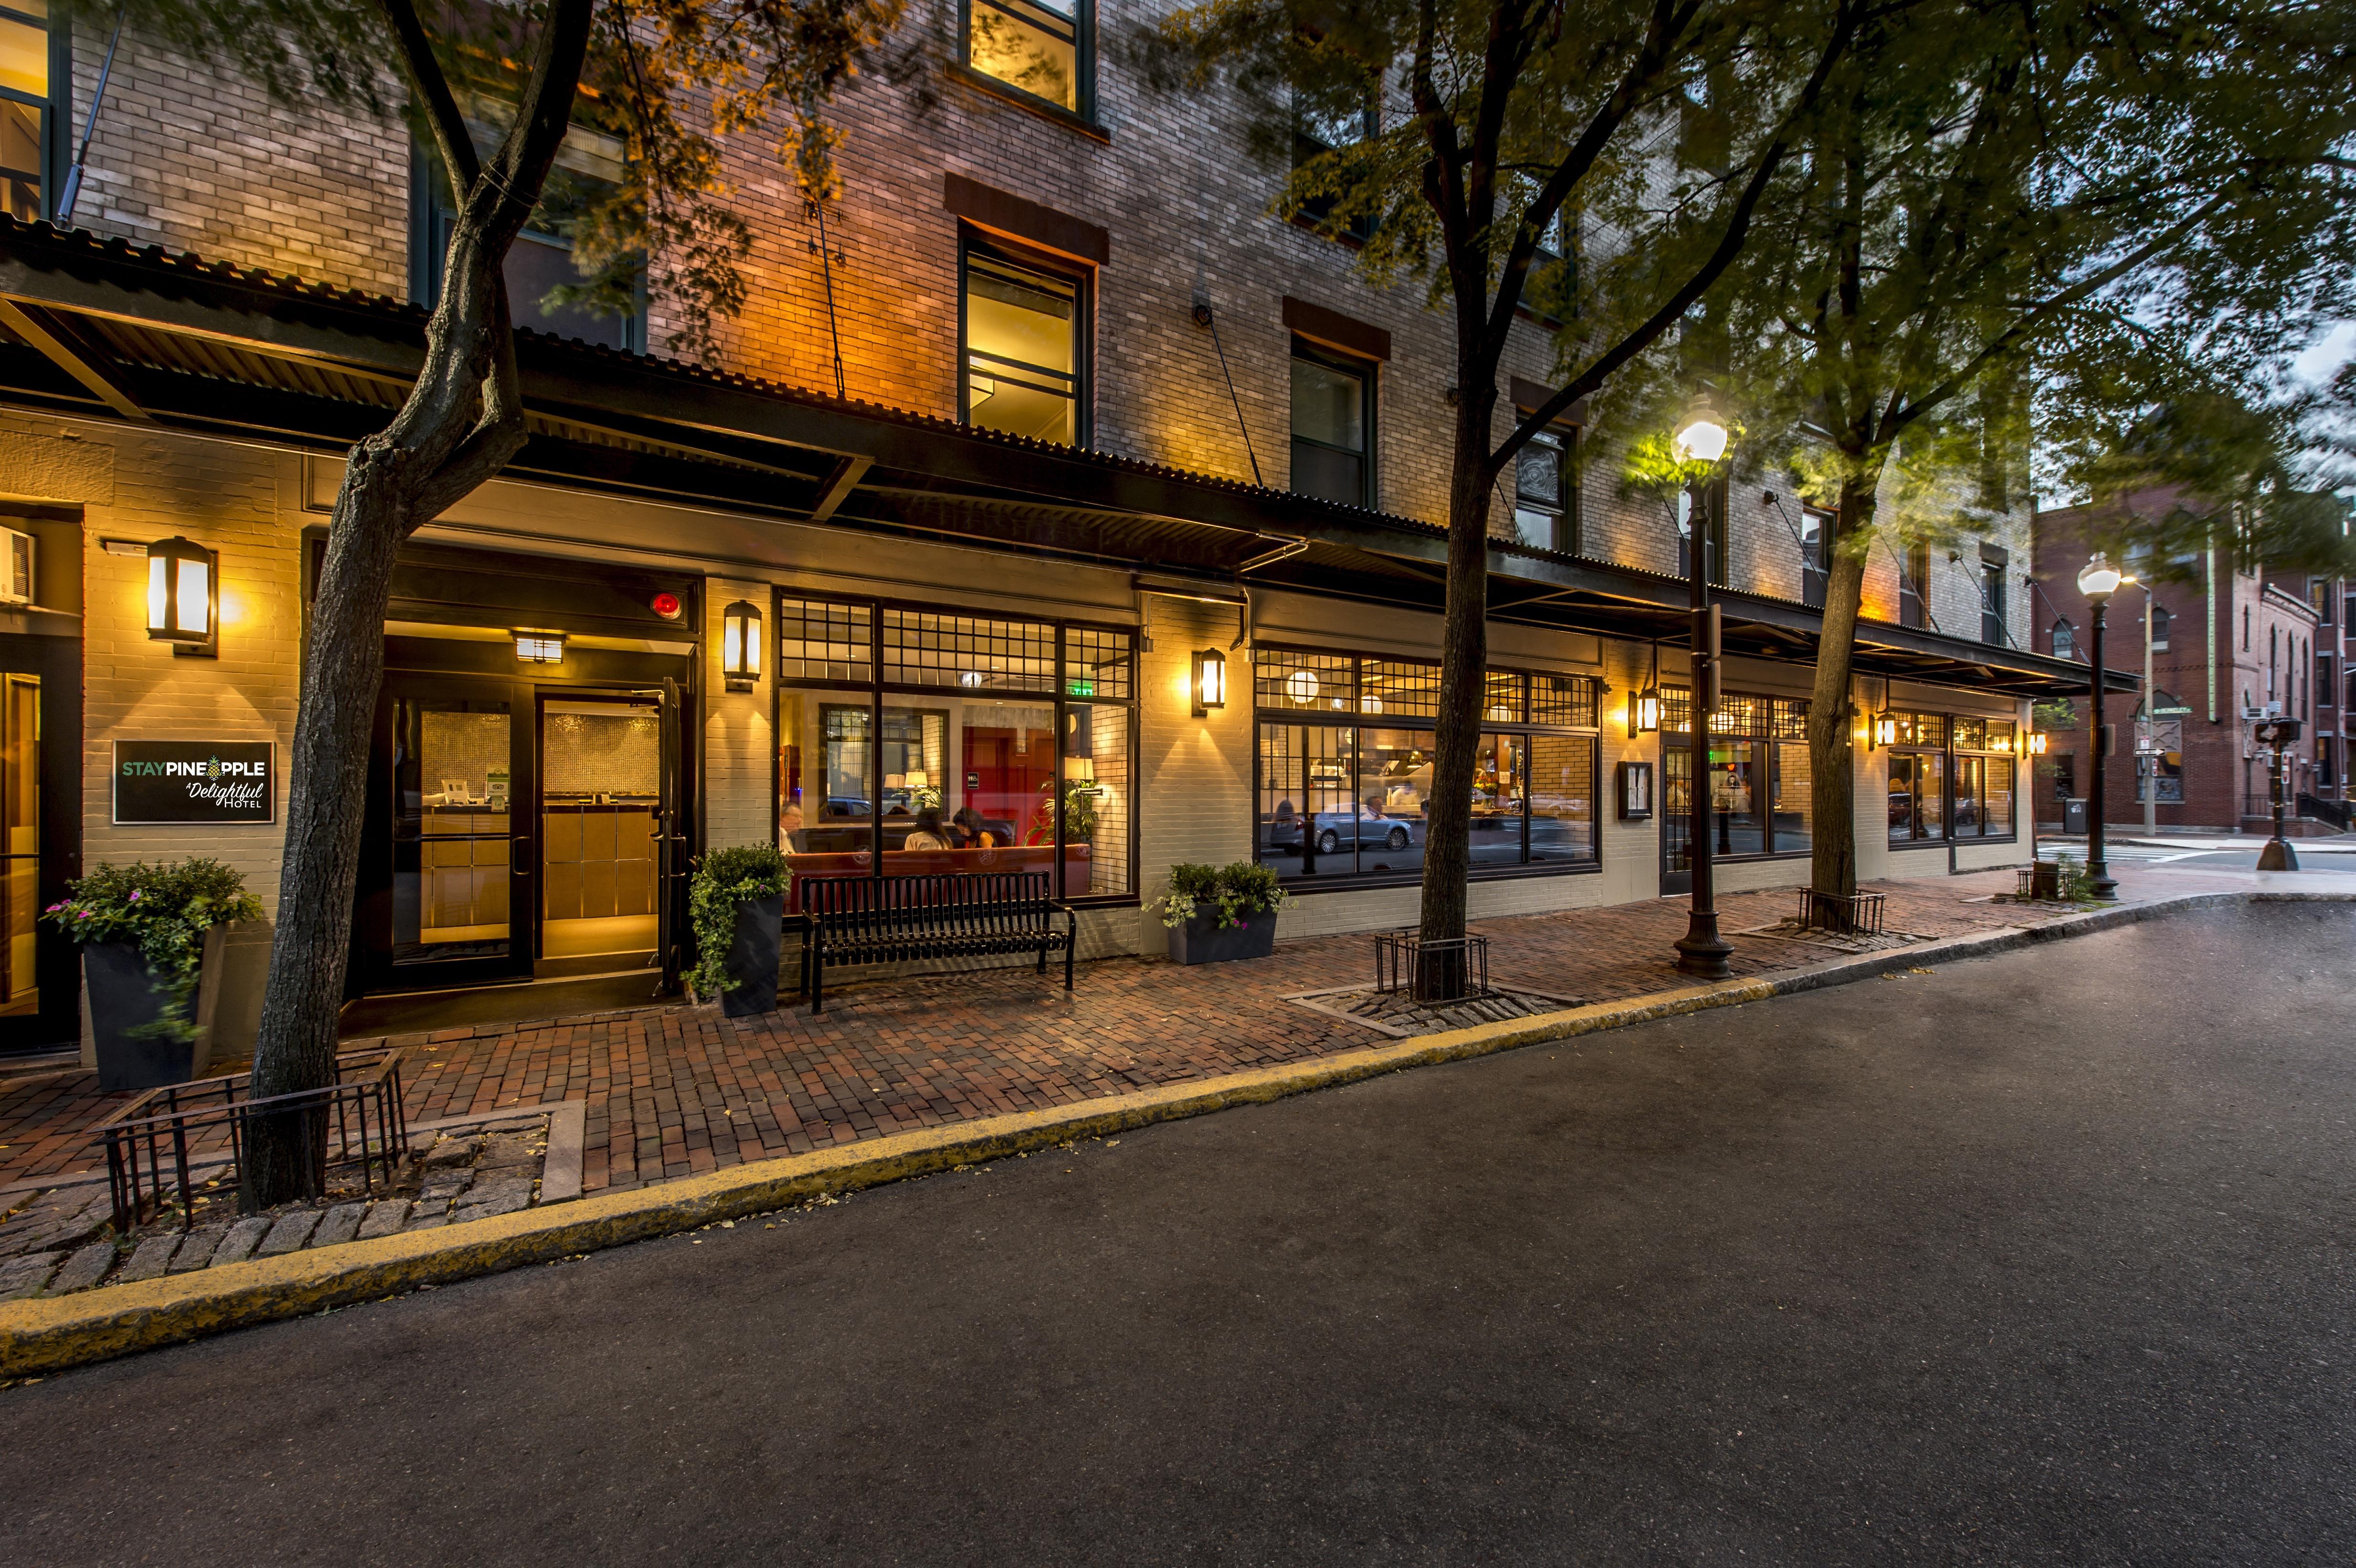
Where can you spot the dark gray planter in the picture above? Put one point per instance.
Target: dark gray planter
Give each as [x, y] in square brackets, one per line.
[753, 957]
[124, 996]
[1198, 941]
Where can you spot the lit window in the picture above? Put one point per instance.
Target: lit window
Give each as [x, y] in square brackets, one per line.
[1037, 45]
[1331, 419]
[1023, 349]
[1546, 490]
[26, 116]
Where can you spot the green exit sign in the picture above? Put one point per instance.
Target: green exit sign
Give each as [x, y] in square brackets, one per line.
[1079, 689]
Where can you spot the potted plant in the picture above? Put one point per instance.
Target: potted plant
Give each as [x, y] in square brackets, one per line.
[142, 931]
[1219, 912]
[736, 900]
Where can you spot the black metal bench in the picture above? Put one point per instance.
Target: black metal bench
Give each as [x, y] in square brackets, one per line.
[960, 914]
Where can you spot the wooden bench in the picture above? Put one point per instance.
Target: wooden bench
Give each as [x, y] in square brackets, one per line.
[867, 920]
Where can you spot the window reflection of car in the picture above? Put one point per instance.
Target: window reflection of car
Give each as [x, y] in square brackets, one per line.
[1364, 828]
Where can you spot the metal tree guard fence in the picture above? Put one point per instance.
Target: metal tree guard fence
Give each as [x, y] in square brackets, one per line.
[1857, 915]
[357, 1120]
[1451, 970]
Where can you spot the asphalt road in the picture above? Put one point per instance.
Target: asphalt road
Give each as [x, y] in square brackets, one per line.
[2041, 1258]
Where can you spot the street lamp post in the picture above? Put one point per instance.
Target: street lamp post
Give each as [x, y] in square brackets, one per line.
[2098, 580]
[1702, 952]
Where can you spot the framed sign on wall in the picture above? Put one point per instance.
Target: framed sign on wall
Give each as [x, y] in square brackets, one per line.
[1636, 792]
[166, 782]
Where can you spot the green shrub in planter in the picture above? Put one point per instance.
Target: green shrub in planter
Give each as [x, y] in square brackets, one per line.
[142, 929]
[1218, 913]
[736, 901]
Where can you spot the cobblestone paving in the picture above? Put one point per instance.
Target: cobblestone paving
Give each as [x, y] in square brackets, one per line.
[60, 1241]
[676, 1091]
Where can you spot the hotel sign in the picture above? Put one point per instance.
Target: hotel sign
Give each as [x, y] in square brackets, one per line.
[173, 781]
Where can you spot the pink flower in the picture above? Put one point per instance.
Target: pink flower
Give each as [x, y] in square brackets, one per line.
[134, 895]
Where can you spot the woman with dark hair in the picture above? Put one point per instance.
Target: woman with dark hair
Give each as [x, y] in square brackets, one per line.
[929, 833]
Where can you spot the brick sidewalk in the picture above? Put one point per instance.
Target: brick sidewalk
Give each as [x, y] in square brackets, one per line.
[674, 1091]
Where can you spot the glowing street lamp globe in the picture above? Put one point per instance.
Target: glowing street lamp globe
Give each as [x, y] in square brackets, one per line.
[1701, 437]
[2098, 578]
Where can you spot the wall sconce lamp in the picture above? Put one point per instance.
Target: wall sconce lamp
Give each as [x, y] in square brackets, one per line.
[2032, 743]
[1885, 730]
[1210, 682]
[1644, 707]
[540, 647]
[183, 597]
[740, 645]
[1080, 776]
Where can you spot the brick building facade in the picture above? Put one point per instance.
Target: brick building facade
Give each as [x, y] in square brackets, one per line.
[959, 614]
[2228, 644]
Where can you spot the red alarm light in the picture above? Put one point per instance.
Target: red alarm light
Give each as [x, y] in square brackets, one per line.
[666, 605]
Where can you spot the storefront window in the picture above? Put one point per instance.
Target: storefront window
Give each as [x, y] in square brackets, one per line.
[1918, 797]
[1951, 775]
[1341, 799]
[913, 743]
[1757, 777]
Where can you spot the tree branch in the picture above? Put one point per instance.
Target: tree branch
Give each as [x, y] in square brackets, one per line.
[432, 85]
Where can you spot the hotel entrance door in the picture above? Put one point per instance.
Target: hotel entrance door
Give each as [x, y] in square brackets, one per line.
[520, 831]
[459, 761]
[603, 822]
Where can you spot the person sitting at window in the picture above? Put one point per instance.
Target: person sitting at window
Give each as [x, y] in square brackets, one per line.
[929, 833]
[791, 830]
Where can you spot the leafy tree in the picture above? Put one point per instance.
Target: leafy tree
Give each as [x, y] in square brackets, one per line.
[1509, 154]
[668, 77]
[2098, 216]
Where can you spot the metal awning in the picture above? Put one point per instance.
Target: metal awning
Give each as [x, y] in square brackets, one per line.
[98, 328]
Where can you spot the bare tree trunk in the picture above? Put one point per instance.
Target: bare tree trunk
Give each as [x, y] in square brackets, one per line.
[1463, 674]
[1832, 755]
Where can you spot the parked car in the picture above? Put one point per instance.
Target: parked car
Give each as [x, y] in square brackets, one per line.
[1362, 827]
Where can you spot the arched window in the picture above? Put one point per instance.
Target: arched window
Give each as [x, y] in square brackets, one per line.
[2159, 620]
[2066, 639]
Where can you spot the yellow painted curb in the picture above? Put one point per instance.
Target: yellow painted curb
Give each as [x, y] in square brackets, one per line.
[48, 1335]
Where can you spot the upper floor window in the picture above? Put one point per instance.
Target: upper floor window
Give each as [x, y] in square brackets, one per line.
[1332, 425]
[1993, 561]
[2318, 593]
[1546, 490]
[2323, 681]
[2066, 639]
[1316, 133]
[2160, 622]
[1915, 586]
[539, 262]
[1815, 555]
[1025, 359]
[27, 128]
[1038, 47]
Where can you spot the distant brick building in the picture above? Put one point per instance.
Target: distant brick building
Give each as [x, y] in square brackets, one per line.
[2228, 641]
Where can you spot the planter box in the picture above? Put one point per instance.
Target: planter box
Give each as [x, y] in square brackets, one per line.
[1197, 942]
[753, 957]
[124, 997]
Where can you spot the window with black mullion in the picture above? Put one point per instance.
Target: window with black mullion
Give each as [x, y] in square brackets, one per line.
[1332, 425]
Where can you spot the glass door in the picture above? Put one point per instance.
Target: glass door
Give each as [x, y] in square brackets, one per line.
[20, 843]
[1677, 816]
[460, 867]
[602, 833]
